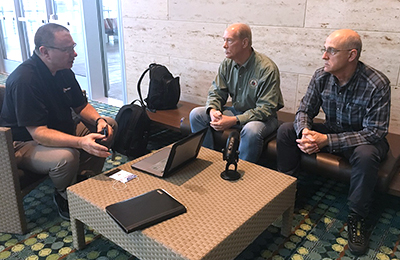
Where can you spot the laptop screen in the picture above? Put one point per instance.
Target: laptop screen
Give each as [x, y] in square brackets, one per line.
[186, 151]
[181, 152]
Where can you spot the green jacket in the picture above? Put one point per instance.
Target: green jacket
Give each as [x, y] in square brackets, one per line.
[254, 88]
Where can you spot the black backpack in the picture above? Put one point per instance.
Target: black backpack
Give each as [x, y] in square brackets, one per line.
[164, 90]
[133, 130]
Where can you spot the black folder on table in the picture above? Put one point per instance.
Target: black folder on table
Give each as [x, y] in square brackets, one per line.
[145, 210]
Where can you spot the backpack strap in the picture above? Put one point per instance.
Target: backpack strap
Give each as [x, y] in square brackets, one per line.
[138, 86]
[140, 101]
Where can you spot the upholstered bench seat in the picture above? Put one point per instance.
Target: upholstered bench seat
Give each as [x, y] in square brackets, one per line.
[326, 164]
[337, 167]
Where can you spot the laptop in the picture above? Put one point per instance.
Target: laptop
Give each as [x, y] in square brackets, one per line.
[145, 210]
[164, 162]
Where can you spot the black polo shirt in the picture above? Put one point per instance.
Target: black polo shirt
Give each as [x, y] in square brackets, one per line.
[34, 97]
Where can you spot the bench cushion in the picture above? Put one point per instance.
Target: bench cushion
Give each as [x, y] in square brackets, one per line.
[326, 164]
[337, 167]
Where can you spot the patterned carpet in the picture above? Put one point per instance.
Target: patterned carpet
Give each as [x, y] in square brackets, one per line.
[319, 224]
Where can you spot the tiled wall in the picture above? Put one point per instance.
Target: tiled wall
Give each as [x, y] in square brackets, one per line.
[186, 36]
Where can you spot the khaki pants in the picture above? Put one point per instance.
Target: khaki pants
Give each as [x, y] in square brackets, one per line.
[62, 164]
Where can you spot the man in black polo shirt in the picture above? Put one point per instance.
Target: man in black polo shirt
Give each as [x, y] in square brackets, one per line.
[41, 94]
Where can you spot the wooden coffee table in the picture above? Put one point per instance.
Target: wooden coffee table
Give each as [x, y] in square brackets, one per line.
[172, 118]
[222, 217]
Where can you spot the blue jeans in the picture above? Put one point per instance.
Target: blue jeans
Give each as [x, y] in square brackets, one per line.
[252, 134]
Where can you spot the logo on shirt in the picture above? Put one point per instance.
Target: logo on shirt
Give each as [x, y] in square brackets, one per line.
[66, 89]
[253, 83]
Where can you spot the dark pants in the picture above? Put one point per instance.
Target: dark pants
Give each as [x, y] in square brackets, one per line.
[364, 159]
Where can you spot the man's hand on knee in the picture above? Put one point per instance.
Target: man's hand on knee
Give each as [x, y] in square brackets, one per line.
[224, 123]
[311, 141]
[215, 115]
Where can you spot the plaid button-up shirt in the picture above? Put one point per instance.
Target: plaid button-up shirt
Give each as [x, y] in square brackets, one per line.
[356, 113]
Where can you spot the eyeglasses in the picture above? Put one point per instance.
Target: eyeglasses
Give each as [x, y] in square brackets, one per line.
[331, 50]
[66, 49]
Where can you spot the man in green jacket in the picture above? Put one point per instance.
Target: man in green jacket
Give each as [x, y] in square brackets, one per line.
[251, 79]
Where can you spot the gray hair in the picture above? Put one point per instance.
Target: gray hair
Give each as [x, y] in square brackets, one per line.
[244, 31]
[354, 42]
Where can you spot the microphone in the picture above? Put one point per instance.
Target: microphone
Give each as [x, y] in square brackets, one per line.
[231, 156]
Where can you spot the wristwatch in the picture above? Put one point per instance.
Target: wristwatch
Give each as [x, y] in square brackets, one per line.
[97, 120]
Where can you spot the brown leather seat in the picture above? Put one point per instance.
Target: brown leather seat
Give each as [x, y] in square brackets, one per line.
[325, 164]
[337, 167]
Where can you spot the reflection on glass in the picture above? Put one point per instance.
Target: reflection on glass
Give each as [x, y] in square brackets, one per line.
[10, 31]
[68, 14]
[113, 53]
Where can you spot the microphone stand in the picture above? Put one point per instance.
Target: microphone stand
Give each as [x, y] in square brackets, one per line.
[231, 155]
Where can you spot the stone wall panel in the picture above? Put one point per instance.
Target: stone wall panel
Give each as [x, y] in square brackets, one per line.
[273, 13]
[370, 15]
[186, 36]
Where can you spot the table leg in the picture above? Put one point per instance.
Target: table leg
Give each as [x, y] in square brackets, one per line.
[287, 219]
[78, 233]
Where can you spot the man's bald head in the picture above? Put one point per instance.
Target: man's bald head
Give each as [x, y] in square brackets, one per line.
[241, 30]
[347, 39]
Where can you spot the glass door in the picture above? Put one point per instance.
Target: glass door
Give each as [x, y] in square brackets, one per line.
[68, 14]
[9, 37]
[32, 15]
[112, 50]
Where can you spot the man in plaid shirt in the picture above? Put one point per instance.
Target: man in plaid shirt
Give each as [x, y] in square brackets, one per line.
[356, 101]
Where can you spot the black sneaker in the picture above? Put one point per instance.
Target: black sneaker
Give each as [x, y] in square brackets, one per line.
[358, 234]
[62, 206]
